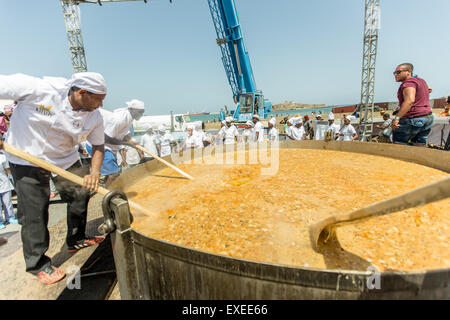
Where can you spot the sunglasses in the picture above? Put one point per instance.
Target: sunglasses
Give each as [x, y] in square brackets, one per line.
[398, 71]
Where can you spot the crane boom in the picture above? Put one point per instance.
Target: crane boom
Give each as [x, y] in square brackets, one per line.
[236, 61]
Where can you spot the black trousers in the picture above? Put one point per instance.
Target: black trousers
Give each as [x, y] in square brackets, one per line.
[33, 191]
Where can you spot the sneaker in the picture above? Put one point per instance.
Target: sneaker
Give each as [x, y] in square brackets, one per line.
[2, 226]
[52, 195]
[85, 243]
[12, 221]
[50, 275]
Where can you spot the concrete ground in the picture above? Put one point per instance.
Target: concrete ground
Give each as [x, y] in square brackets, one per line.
[15, 283]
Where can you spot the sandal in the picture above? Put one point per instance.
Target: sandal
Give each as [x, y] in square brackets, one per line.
[50, 275]
[85, 243]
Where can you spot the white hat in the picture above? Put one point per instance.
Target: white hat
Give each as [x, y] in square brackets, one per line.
[273, 121]
[223, 122]
[298, 121]
[229, 119]
[191, 126]
[136, 104]
[89, 81]
[291, 120]
[249, 123]
[255, 116]
[331, 116]
[161, 128]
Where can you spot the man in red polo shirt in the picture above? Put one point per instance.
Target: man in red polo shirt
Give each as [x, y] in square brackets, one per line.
[414, 120]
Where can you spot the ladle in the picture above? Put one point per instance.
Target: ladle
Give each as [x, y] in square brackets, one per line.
[164, 161]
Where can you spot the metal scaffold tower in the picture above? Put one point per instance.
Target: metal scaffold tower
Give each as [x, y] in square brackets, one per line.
[71, 13]
[371, 27]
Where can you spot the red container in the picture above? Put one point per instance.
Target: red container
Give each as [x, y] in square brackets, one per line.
[346, 109]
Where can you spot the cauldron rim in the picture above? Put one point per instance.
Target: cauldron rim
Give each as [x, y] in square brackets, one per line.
[402, 280]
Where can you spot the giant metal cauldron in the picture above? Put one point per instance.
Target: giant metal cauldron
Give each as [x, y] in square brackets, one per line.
[153, 269]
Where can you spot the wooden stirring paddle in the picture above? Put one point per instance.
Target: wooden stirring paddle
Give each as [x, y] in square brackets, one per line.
[323, 230]
[164, 161]
[67, 175]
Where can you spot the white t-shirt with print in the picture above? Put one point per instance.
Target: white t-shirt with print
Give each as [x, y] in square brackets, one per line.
[44, 123]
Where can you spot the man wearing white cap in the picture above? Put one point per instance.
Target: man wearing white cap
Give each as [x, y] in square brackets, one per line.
[203, 138]
[148, 142]
[117, 133]
[347, 132]
[296, 130]
[52, 116]
[332, 129]
[247, 134]
[258, 129]
[229, 133]
[273, 132]
[192, 141]
[164, 141]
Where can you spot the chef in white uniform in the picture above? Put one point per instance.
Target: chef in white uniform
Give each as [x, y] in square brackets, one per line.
[117, 134]
[296, 131]
[53, 115]
[203, 138]
[248, 133]
[258, 129]
[192, 141]
[164, 140]
[148, 142]
[229, 132]
[332, 128]
[273, 131]
[347, 132]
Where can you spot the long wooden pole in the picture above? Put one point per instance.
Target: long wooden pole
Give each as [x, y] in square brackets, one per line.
[322, 231]
[164, 161]
[65, 174]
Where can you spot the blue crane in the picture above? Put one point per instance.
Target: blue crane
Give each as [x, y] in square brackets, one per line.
[236, 62]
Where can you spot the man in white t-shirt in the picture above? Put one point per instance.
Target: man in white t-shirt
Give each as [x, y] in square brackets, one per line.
[247, 134]
[53, 115]
[347, 132]
[164, 141]
[229, 133]
[296, 131]
[332, 129]
[204, 139]
[148, 142]
[192, 141]
[258, 129]
[273, 131]
[117, 134]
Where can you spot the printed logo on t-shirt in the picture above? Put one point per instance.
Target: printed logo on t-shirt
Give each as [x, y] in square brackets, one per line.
[45, 110]
[76, 124]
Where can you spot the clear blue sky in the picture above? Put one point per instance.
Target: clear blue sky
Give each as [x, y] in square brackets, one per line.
[166, 55]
